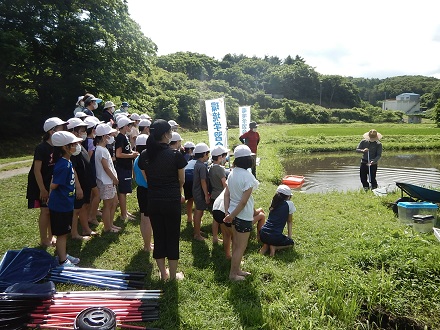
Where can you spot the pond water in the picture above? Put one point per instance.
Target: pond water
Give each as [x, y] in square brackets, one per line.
[340, 171]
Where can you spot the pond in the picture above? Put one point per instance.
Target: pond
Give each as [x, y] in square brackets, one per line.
[340, 171]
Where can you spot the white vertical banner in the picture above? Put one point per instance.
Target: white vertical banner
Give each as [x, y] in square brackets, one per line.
[216, 120]
[244, 118]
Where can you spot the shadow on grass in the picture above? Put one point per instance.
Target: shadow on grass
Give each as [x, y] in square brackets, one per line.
[141, 262]
[200, 252]
[245, 299]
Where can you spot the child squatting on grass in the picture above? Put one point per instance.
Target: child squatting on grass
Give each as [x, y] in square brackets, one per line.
[280, 213]
[239, 207]
[62, 193]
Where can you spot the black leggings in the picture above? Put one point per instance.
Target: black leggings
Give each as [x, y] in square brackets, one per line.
[165, 219]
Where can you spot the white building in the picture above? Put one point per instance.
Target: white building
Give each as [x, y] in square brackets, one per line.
[408, 103]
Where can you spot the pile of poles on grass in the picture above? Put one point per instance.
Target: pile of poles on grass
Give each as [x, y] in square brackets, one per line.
[46, 309]
[101, 278]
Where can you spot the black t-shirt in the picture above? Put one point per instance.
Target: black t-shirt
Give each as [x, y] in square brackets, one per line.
[162, 173]
[82, 166]
[44, 153]
[108, 117]
[122, 142]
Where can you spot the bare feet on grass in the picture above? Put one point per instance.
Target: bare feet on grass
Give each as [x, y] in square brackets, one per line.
[272, 250]
[264, 249]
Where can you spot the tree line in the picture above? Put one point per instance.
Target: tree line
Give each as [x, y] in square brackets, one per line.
[53, 51]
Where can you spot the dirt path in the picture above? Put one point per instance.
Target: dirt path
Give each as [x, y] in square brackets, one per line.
[14, 172]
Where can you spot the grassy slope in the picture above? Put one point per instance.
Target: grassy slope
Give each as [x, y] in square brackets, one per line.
[353, 261]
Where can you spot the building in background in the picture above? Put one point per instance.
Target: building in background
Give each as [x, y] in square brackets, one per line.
[408, 103]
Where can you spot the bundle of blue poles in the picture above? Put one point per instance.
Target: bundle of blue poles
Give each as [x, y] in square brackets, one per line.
[101, 278]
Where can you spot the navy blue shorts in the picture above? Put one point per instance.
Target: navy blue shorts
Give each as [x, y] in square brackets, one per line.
[275, 239]
[219, 216]
[60, 222]
[242, 226]
[124, 177]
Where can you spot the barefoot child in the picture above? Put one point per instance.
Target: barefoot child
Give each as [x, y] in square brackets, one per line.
[106, 176]
[239, 206]
[140, 177]
[200, 187]
[281, 210]
[62, 193]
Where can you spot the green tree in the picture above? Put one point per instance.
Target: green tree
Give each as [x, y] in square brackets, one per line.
[53, 51]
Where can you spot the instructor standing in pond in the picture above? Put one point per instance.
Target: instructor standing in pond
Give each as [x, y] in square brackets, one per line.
[371, 150]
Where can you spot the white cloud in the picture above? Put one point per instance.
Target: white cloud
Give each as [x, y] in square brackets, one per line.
[376, 38]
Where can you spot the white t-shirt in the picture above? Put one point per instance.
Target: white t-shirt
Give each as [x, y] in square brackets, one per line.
[292, 207]
[219, 202]
[100, 153]
[240, 180]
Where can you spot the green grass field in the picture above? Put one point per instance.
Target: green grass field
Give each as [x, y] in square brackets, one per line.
[354, 266]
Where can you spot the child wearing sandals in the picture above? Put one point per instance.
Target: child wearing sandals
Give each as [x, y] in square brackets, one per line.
[62, 193]
[281, 210]
[106, 176]
[239, 207]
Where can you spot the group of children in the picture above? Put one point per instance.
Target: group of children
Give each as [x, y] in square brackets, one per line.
[83, 161]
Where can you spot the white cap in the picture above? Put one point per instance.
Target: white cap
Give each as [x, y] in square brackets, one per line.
[79, 99]
[135, 116]
[81, 114]
[75, 122]
[173, 123]
[52, 122]
[141, 139]
[200, 148]
[63, 138]
[109, 104]
[92, 121]
[144, 123]
[285, 190]
[104, 129]
[218, 151]
[145, 116]
[242, 151]
[176, 137]
[189, 144]
[124, 121]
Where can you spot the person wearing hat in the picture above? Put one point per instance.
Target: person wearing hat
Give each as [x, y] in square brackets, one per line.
[239, 207]
[124, 164]
[142, 193]
[144, 126]
[280, 213]
[40, 174]
[62, 193]
[252, 138]
[146, 116]
[123, 109]
[79, 105]
[107, 113]
[134, 132]
[174, 125]
[200, 188]
[84, 181]
[371, 149]
[90, 104]
[106, 176]
[189, 150]
[176, 141]
[217, 181]
[164, 168]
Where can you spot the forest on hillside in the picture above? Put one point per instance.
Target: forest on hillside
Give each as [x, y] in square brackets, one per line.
[53, 51]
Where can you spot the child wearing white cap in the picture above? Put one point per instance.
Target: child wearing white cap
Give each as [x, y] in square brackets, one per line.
[106, 176]
[200, 191]
[62, 193]
[281, 210]
[239, 207]
[39, 178]
[142, 192]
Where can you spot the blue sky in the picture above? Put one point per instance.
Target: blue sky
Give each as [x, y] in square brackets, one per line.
[371, 39]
